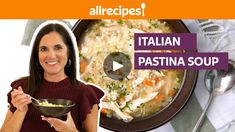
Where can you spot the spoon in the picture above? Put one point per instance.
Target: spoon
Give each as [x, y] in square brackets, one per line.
[217, 82]
[35, 99]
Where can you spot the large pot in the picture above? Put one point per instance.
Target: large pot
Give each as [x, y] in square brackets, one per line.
[163, 116]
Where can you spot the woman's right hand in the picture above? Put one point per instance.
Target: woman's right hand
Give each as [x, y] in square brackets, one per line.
[20, 100]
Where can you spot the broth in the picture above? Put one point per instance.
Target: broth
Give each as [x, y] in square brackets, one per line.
[143, 92]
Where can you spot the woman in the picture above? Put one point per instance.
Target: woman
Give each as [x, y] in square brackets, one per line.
[52, 74]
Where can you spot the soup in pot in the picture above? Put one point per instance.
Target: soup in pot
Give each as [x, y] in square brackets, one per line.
[143, 92]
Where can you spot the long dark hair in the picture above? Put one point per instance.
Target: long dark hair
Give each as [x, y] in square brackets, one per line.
[36, 72]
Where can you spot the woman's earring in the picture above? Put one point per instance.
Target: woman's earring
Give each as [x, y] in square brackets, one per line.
[68, 63]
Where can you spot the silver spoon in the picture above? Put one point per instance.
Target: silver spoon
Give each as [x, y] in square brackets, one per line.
[217, 82]
[38, 102]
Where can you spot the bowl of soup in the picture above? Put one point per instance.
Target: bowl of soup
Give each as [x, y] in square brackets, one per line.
[53, 107]
[145, 99]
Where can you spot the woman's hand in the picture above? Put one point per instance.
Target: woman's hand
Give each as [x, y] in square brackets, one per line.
[62, 126]
[20, 100]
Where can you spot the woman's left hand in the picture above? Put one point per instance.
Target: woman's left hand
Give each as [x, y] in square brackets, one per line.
[60, 125]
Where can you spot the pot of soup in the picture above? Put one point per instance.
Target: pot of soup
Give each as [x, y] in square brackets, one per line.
[145, 99]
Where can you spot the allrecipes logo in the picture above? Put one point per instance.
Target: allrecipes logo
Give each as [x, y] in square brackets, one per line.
[118, 11]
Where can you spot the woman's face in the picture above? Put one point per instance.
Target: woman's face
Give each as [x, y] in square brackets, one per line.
[52, 54]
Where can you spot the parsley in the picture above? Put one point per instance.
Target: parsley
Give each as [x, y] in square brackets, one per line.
[112, 86]
[120, 21]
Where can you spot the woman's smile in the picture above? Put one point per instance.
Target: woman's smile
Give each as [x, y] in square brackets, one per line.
[52, 62]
